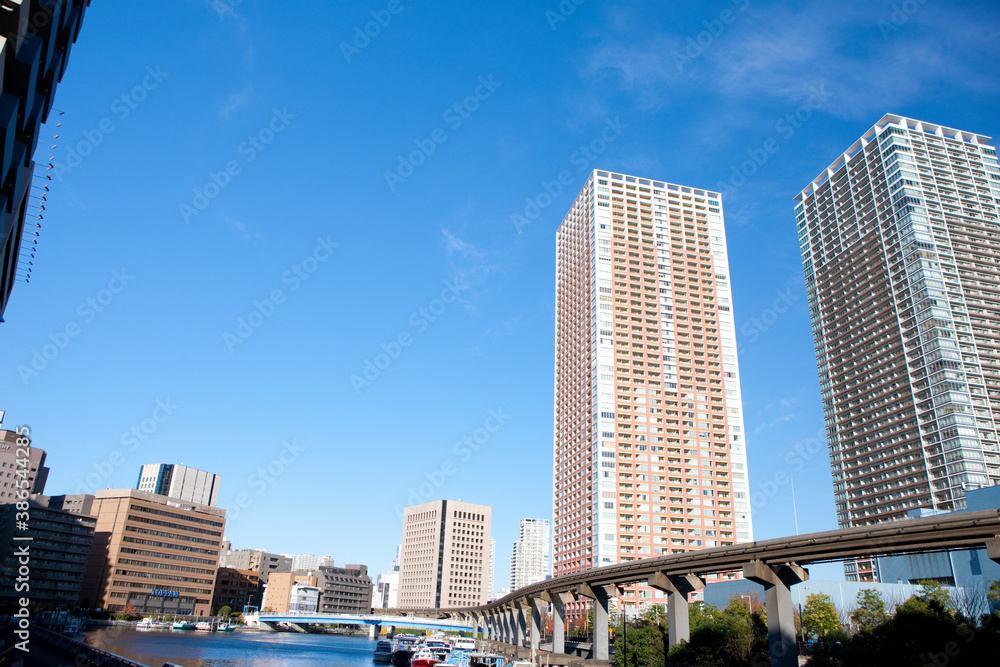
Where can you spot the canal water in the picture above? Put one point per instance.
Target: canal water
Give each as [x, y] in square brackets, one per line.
[233, 649]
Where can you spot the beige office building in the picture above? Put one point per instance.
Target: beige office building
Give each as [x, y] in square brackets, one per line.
[445, 556]
[156, 553]
[649, 451]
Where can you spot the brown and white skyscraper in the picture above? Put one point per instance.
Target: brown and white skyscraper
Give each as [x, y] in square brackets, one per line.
[900, 246]
[649, 450]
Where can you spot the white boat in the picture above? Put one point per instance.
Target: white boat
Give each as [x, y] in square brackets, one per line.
[147, 624]
[465, 644]
[225, 627]
[203, 626]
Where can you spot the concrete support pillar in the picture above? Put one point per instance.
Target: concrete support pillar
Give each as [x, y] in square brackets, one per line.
[600, 596]
[677, 589]
[374, 631]
[558, 602]
[993, 550]
[536, 624]
[776, 581]
[520, 624]
[508, 626]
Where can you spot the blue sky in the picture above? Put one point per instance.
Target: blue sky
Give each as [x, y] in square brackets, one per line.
[223, 241]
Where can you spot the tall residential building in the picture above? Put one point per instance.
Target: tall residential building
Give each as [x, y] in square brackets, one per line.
[900, 247]
[649, 451]
[158, 554]
[445, 555]
[36, 42]
[12, 463]
[179, 481]
[529, 562]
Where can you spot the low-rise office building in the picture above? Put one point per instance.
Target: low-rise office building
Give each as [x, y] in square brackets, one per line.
[57, 545]
[282, 587]
[254, 559]
[237, 589]
[345, 590]
[158, 554]
[12, 462]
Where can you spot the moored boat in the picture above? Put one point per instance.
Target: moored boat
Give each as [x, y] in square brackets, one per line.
[383, 652]
[182, 625]
[465, 644]
[424, 658]
[403, 650]
[203, 626]
[225, 627]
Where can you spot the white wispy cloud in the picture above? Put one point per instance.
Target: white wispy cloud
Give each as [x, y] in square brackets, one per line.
[235, 101]
[870, 63]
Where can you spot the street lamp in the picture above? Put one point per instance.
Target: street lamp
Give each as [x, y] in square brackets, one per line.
[749, 603]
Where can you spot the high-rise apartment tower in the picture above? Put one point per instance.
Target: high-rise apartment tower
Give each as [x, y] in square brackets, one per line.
[529, 561]
[901, 251]
[649, 454]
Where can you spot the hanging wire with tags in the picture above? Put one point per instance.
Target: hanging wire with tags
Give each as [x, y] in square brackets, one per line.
[34, 207]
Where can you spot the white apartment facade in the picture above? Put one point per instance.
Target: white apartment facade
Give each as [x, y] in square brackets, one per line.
[529, 562]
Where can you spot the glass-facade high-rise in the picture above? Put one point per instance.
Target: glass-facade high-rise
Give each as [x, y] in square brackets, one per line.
[900, 246]
[649, 452]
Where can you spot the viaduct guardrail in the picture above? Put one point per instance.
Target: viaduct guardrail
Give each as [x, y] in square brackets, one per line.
[775, 564]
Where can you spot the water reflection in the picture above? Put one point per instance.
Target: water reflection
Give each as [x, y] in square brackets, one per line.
[236, 649]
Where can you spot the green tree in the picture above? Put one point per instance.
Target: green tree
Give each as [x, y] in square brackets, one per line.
[647, 644]
[721, 638]
[820, 617]
[871, 610]
[933, 593]
[226, 611]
